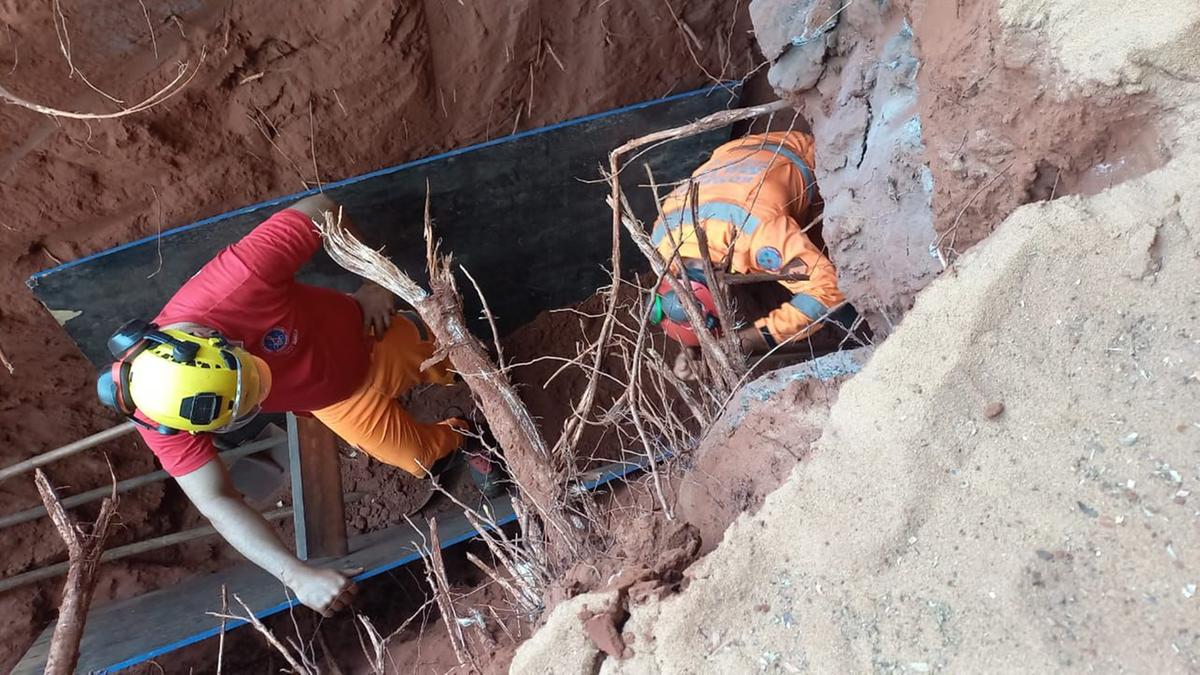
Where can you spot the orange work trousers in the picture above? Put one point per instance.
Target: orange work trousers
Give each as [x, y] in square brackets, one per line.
[373, 420]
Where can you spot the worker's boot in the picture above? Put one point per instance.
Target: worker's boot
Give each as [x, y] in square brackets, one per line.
[484, 463]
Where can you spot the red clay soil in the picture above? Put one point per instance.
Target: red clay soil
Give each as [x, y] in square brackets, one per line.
[993, 127]
[363, 84]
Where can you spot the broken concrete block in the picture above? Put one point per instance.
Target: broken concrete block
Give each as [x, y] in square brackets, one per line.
[799, 68]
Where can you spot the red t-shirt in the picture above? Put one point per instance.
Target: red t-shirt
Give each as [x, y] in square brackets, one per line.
[311, 337]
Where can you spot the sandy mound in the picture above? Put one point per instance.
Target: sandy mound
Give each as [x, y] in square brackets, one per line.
[752, 448]
[925, 534]
[1009, 483]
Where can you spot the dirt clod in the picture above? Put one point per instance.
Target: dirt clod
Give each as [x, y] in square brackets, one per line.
[603, 629]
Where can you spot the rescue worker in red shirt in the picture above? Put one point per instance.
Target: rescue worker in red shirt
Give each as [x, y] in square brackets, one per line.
[243, 335]
[753, 199]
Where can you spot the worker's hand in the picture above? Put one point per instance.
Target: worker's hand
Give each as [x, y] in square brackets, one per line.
[687, 364]
[324, 591]
[378, 305]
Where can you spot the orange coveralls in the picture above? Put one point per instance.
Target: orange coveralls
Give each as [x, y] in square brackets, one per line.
[373, 420]
[754, 194]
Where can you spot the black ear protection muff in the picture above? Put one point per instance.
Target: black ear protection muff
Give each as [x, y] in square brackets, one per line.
[130, 340]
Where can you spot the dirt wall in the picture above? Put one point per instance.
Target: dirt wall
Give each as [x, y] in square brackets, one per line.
[934, 120]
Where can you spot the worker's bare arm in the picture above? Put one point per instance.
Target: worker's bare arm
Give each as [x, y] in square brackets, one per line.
[378, 304]
[315, 206]
[211, 490]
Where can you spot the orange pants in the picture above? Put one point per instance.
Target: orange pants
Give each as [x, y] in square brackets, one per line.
[372, 419]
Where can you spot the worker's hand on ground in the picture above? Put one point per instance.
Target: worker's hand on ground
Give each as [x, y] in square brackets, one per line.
[378, 305]
[687, 364]
[324, 591]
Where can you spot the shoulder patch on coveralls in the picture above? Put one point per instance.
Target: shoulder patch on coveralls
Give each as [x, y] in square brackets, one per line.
[769, 258]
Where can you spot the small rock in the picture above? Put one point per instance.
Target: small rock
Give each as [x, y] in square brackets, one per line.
[1044, 554]
[1130, 439]
[919, 667]
[993, 410]
[1189, 590]
[1087, 510]
[1181, 496]
[762, 607]
[360, 523]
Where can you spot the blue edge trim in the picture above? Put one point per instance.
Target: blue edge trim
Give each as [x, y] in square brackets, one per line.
[606, 477]
[705, 91]
[617, 471]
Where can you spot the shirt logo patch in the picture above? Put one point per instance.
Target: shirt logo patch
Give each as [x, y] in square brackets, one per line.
[276, 340]
[769, 258]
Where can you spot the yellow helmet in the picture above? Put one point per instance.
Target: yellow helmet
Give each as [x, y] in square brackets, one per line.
[189, 382]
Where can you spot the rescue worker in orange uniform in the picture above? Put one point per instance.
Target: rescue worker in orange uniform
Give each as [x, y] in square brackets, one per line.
[753, 197]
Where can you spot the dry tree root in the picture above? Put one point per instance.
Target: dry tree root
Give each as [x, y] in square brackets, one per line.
[538, 473]
[6, 362]
[84, 550]
[182, 79]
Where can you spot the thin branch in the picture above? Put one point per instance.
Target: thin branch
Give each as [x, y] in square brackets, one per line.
[224, 625]
[312, 143]
[6, 362]
[952, 231]
[153, 39]
[487, 312]
[253, 620]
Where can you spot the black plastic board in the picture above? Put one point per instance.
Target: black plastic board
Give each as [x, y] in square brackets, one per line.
[517, 211]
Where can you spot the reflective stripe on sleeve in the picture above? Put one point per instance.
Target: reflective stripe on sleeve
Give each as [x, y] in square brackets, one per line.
[809, 306]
